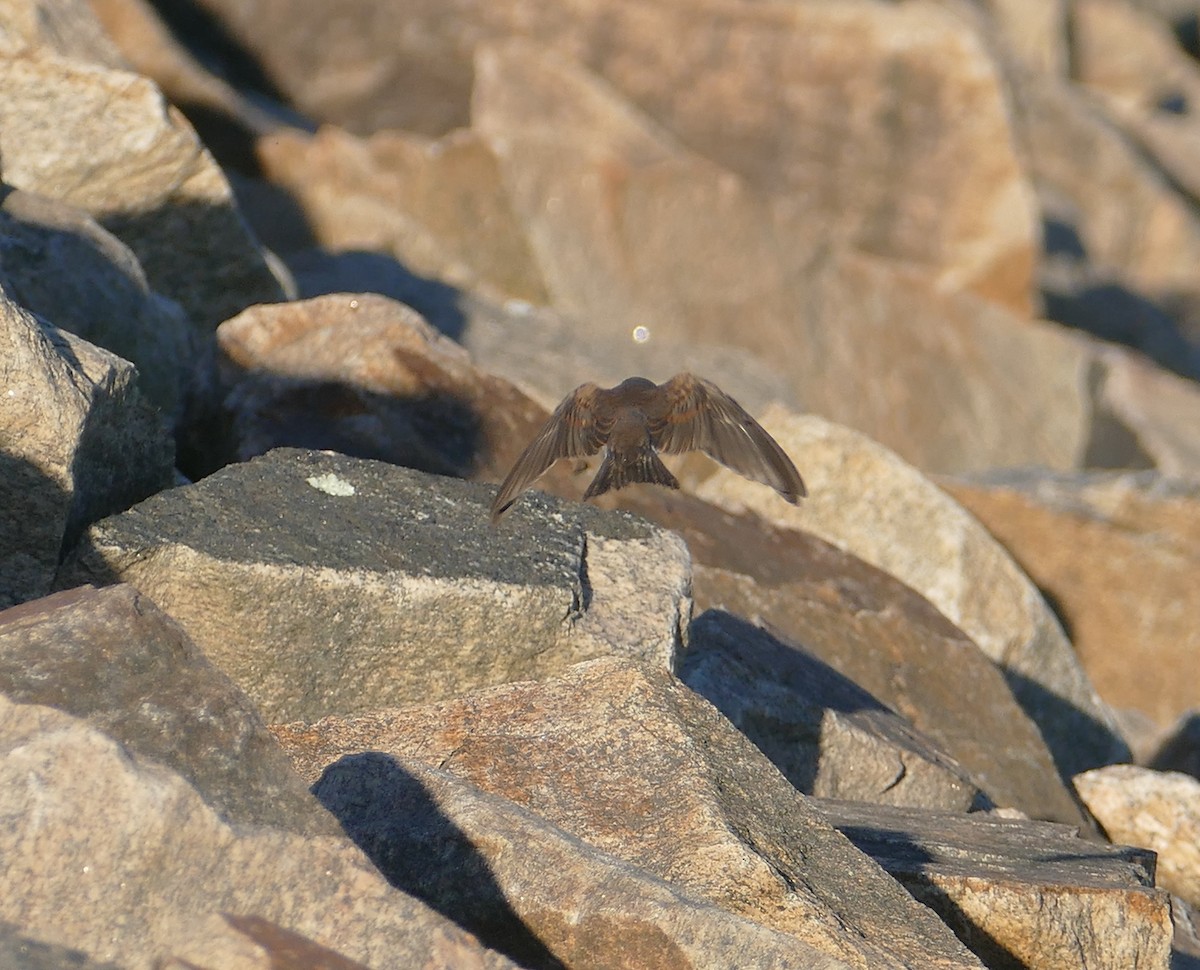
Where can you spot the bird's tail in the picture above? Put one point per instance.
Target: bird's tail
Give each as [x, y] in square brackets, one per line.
[624, 468]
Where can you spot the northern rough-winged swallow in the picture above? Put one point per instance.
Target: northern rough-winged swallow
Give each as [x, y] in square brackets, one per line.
[638, 418]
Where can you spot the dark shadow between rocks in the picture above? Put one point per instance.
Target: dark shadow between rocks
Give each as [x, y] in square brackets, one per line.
[389, 814]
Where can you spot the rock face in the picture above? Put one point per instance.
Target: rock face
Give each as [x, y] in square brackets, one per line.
[670, 786]
[77, 442]
[1119, 556]
[93, 827]
[909, 528]
[420, 600]
[1154, 809]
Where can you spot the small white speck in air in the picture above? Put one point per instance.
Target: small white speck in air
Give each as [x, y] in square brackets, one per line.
[330, 484]
[641, 334]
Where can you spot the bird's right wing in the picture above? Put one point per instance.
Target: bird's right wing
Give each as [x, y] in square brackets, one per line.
[572, 431]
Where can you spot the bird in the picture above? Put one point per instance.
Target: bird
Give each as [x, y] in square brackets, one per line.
[636, 420]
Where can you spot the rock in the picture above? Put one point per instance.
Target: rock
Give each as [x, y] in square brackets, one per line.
[439, 207]
[21, 953]
[1033, 30]
[92, 827]
[230, 940]
[1118, 554]
[528, 888]
[111, 657]
[763, 90]
[340, 585]
[57, 262]
[66, 27]
[1178, 748]
[117, 151]
[822, 602]
[826, 734]
[1019, 893]
[626, 758]
[365, 376]
[864, 499]
[1115, 228]
[1158, 810]
[77, 442]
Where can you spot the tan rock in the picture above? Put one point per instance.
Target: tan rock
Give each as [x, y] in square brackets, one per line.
[121, 858]
[69, 408]
[1158, 810]
[236, 942]
[336, 585]
[438, 206]
[1020, 893]
[864, 499]
[1119, 556]
[66, 27]
[119, 152]
[111, 657]
[628, 759]
[530, 889]
[1033, 30]
[363, 375]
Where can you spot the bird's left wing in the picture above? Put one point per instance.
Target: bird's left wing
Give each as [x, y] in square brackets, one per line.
[698, 415]
[570, 432]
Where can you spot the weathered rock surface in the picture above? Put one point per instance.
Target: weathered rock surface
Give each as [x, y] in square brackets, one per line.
[229, 940]
[1158, 810]
[120, 858]
[111, 657]
[366, 376]
[865, 500]
[1119, 556]
[1028, 894]
[117, 151]
[826, 734]
[339, 585]
[623, 756]
[77, 442]
[59, 263]
[528, 888]
[871, 628]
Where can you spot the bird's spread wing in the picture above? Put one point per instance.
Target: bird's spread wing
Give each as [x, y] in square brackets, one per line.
[699, 415]
[572, 431]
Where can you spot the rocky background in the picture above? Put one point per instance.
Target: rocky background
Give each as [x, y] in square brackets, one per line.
[285, 288]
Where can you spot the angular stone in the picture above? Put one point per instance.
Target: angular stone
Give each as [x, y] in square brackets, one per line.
[58, 263]
[363, 375]
[66, 27]
[1158, 810]
[827, 735]
[77, 442]
[438, 206]
[526, 887]
[876, 631]
[337, 585]
[1019, 893]
[866, 500]
[121, 858]
[117, 151]
[626, 758]
[253, 943]
[111, 657]
[1119, 556]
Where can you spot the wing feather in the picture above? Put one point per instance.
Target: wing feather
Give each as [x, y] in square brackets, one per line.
[572, 431]
[700, 416]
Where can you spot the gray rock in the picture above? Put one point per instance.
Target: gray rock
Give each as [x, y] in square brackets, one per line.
[111, 657]
[827, 735]
[623, 756]
[119, 152]
[60, 264]
[528, 888]
[77, 442]
[122, 860]
[326, 584]
[1020, 893]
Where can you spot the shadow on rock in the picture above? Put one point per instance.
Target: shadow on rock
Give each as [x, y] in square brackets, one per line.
[390, 815]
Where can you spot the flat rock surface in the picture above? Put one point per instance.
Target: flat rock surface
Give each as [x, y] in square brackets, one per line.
[623, 756]
[1094, 904]
[337, 585]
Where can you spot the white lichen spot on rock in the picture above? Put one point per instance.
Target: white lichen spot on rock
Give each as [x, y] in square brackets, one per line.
[330, 484]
